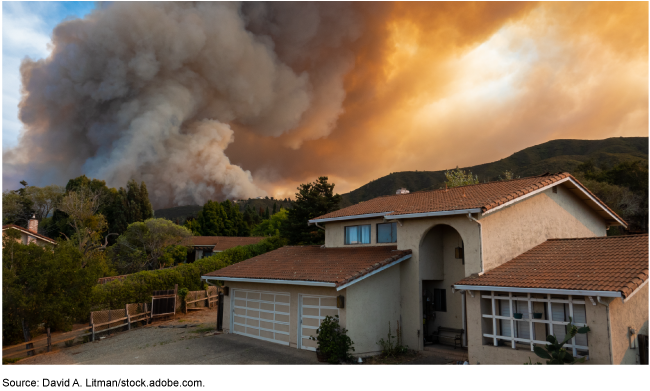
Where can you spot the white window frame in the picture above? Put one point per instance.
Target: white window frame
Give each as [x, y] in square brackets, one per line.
[550, 322]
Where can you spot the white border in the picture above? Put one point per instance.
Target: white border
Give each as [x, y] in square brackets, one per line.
[354, 217]
[537, 290]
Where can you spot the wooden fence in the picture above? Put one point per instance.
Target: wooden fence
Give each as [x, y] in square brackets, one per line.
[108, 320]
[201, 300]
[43, 345]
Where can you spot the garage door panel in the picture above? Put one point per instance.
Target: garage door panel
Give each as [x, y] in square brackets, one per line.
[328, 312]
[240, 303]
[328, 301]
[310, 311]
[252, 313]
[314, 322]
[282, 308]
[253, 296]
[267, 307]
[266, 315]
[313, 310]
[282, 318]
[256, 315]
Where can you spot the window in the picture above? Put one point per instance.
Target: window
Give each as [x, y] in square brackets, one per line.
[533, 312]
[357, 234]
[387, 233]
[440, 300]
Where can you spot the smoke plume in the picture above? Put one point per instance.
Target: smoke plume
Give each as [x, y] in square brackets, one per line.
[210, 100]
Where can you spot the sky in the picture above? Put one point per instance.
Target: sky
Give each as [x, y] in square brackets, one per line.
[26, 32]
[213, 101]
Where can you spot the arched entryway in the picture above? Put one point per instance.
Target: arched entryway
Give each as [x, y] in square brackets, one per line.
[442, 263]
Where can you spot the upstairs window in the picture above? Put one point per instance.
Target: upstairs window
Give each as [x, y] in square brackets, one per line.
[387, 233]
[357, 234]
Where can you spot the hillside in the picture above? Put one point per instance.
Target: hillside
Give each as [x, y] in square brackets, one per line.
[552, 156]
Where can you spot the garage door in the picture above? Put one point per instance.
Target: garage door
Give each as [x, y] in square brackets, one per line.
[261, 315]
[313, 309]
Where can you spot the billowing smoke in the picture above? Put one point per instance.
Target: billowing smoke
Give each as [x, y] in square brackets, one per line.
[207, 100]
[152, 91]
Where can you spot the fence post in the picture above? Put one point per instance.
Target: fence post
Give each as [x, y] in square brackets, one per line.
[128, 317]
[109, 322]
[49, 340]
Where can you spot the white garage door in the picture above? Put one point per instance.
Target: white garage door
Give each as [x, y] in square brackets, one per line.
[262, 315]
[313, 309]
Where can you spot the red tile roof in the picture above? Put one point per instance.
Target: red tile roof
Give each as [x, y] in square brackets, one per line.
[484, 196]
[615, 263]
[222, 243]
[28, 232]
[314, 263]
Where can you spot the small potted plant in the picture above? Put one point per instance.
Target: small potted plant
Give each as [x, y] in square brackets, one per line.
[537, 315]
[518, 315]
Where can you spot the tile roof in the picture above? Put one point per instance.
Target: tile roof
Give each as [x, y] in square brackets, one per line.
[615, 263]
[28, 232]
[221, 243]
[314, 263]
[484, 196]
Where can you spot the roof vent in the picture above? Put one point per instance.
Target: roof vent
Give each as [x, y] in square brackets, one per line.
[403, 190]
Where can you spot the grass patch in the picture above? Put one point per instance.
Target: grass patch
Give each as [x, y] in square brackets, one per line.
[10, 360]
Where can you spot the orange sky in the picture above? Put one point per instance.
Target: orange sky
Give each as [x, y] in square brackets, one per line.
[206, 100]
[435, 85]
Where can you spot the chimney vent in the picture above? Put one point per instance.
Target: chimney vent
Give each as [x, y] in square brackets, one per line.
[32, 225]
[403, 190]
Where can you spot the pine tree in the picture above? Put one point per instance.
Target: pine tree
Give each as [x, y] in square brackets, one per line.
[312, 200]
[274, 208]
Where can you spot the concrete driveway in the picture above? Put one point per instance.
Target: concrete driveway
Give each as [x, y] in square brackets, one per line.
[196, 344]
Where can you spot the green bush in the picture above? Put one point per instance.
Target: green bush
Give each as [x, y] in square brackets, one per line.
[137, 288]
[333, 341]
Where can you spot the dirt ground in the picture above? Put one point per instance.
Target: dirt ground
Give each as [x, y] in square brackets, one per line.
[191, 339]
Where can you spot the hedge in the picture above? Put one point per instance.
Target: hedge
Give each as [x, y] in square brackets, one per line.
[137, 287]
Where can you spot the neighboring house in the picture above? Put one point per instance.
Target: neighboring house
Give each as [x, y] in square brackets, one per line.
[398, 258]
[205, 246]
[30, 234]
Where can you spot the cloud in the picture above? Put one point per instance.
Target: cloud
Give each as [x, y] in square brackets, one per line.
[206, 101]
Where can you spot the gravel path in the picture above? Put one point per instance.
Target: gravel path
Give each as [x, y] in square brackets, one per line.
[196, 344]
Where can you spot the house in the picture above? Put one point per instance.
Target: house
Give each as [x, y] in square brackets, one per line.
[408, 258]
[205, 246]
[30, 234]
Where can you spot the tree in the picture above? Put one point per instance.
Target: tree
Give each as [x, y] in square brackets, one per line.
[312, 200]
[271, 227]
[144, 245]
[458, 177]
[81, 207]
[507, 176]
[193, 225]
[45, 286]
[212, 219]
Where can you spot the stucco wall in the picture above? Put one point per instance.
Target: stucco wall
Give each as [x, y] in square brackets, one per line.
[411, 236]
[370, 305]
[335, 232]
[294, 291]
[480, 353]
[515, 229]
[634, 314]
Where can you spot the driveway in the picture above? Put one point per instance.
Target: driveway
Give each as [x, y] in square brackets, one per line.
[196, 344]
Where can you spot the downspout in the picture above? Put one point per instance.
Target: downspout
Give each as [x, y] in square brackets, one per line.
[323, 228]
[609, 329]
[480, 236]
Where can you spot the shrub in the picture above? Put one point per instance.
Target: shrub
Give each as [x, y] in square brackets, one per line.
[137, 287]
[391, 348]
[555, 352]
[333, 341]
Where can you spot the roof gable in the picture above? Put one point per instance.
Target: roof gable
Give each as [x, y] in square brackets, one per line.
[483, 197]
[28, 232]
